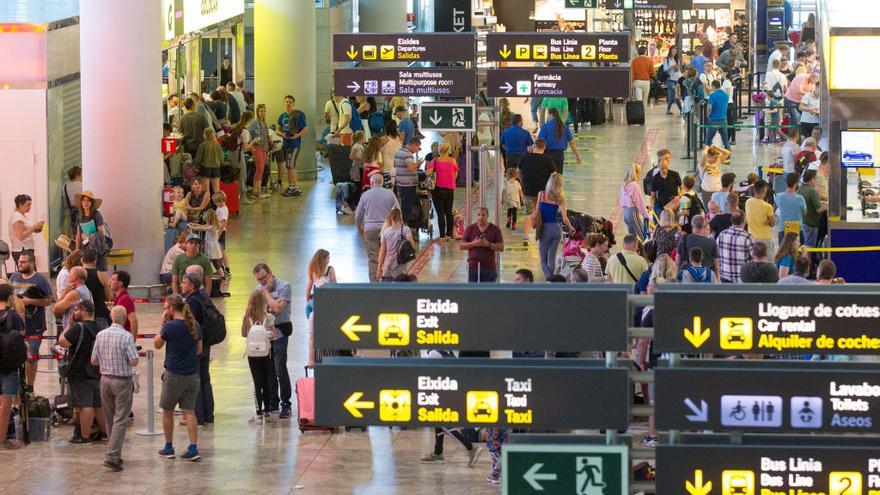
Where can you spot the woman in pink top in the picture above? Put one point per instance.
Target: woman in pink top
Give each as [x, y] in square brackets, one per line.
[444, 169]
[632, 200]
[801, 84]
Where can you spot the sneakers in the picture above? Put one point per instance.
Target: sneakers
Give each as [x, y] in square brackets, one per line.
[245, 200]
[191, 455]
[525, 241]
[474, 454]
[285, 412]
[270, 417]
[649, 442]
[291, 191]
[256, 420]
[494, 478]
[167, 452]
[114, 466]
[81, 441]
[346, 210]
[513, 226]
[507, 225]
[432, 457]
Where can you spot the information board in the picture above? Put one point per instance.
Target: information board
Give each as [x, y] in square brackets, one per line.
[788, 321]
[403, 47]
[414, 81]
[804, 400]
[576, 469]
[471, 317]
[471, 392]
[557, 47]
[760, 470]
[593, 82]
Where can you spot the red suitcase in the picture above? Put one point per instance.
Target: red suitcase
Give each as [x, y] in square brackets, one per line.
[231, 190]
[305, 404]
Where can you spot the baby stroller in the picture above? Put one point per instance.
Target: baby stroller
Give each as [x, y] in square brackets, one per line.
[585, 224]
[572, 253]
[424, 206]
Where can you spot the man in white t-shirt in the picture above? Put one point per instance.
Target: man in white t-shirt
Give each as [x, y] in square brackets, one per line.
[782, 51]
[809, 111]
[331, 114]
[775, 86]
[707, 76]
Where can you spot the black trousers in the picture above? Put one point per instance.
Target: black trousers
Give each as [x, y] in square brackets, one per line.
[262, 371]
[438, 439]
[511, 215]
[443, 199]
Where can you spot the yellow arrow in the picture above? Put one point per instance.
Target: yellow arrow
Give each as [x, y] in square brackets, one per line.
[504, 52]
[697, 487]
[696, 337]
[353, 404]
[352, 53]
[350, 328]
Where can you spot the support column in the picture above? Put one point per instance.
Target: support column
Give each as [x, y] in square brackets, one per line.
[382, 16]
[122, 159]
[284, 63]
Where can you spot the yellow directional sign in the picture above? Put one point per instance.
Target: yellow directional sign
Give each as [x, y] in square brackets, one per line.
[698, 336]
[369, 52]
[386, 52]
[737, 482]
[540, 52]
[351, 328]
[736, 333]
[352, 53]
[844, 483]
[523, 51]
[482, 406]
[354, 404]
[504, 51]
[697, 487]
[394, 329]
[395, 405]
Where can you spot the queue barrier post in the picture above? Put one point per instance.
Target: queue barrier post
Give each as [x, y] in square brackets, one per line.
[151, 406]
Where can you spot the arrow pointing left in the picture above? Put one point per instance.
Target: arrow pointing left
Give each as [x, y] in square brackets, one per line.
[351, 328]
[436, 118]
[532, 476]
[354, 404]
[354, 86]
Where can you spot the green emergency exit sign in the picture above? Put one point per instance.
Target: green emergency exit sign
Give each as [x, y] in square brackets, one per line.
[576, 469]
[581, 4]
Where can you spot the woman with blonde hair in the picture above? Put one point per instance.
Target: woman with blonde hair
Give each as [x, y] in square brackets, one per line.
[320, 272]
[445, 171]
[260, 144]
[208, 159]
[551, 205]
[666, 234]
[632, 200]
[393, 235]
[262, 368]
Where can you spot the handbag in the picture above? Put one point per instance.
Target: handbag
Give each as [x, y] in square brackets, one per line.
[537, 220]
[407, 252]
[65, 362]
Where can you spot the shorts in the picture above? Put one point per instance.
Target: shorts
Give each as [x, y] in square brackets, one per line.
[179, 389]
[222, 239]
[85, 393]
[210, 172]
[33, 347]
[9, 384]
[289, 156]
[165, 278]
[531, 204]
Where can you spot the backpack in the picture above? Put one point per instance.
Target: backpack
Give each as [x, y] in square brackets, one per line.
[257, 343]
[703, 277]
[13, 351]
[213, 324]
[376, 122]
[662, 74]
[229, 141]
[648, 181]
[407, 252]
[357, 124]
[293, 121]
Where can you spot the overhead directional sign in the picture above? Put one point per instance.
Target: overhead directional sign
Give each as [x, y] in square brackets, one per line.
[772, 321]
[762, 470]
[594, 82]
[619, 4]
[557, 47]
[443, 117]
[581, 4]
[470, 317]
[415, 81]
[662, 4]
[403, 47]
[842, 399]
[473, 392]
[576, 469]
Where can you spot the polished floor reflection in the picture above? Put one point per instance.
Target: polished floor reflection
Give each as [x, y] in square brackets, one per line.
[276, 458]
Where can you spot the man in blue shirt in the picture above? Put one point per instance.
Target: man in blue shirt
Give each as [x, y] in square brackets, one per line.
[698, 62]
[717, 110]
[291, 126]
[406, 126]
[790, 206]
[516, 142]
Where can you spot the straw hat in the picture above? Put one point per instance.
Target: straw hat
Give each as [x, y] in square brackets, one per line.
[64, 242]
[96, 201]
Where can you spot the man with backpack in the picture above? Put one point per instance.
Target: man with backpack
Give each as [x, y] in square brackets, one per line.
[12, 356]
[700, 237]
[83, 377]
[34, 290]
[665, 182]
[695, 272]
[690, 204]
[291, 126]
[209, 319]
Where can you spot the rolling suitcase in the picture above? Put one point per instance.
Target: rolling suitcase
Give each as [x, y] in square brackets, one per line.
[231, 191]
[635, 112]
[596, 111]
[305, 404]
[340, 164]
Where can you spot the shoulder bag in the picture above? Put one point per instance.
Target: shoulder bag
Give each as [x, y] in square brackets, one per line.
[407, 252]
[537, 220]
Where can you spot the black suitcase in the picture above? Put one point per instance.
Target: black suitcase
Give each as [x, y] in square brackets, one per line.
[635, 112]
[340, 164]
[596, 112]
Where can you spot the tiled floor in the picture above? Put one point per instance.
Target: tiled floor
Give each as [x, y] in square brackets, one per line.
[276, 458]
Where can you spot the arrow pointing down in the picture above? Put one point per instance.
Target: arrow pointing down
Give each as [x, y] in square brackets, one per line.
[532, 476]
[351, 328]
[507, 87]
[700, 414]
[697, 487]
[504, 51]
[436, 118]
[354, 86]
[616, 4]
[697, 336]
[352, 53]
